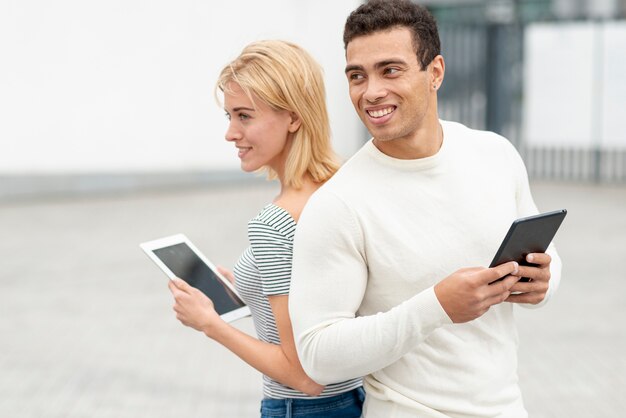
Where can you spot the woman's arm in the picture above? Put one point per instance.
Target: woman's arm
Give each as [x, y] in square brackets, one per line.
[280, 362]
[280, 308]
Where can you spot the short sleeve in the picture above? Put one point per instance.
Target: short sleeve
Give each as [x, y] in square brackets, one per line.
[271, 241]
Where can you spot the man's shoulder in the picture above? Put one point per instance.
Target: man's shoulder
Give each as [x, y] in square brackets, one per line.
[352, 172]
[345, 186]
[459, 129]
[462, 135]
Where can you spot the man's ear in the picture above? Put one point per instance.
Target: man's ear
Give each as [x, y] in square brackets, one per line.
[437, 71]
[295, 122]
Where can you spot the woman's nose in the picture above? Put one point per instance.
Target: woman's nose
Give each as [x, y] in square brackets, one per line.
[232, 133]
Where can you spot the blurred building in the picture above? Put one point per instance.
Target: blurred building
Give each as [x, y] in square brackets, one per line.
[559, 9]
[547, 74]
[95, 99]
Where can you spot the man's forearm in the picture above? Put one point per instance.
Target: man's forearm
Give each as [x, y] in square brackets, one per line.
[347, 347]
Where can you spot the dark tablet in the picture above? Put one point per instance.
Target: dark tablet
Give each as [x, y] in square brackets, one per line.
[528, 235]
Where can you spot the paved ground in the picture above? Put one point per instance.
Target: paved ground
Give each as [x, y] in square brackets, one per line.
[86, 328]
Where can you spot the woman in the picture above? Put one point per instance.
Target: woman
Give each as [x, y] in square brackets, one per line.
[275, 101]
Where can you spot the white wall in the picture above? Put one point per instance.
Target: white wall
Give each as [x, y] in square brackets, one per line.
[127, 86]
[575, 88]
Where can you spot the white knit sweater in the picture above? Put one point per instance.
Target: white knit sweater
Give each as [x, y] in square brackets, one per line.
[369, 247]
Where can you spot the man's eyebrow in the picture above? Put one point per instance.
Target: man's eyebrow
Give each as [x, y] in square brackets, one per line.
[378, 65]
[389, 62]
[353, 68]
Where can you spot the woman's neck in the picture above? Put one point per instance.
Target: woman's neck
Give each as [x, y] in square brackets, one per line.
[293, 199]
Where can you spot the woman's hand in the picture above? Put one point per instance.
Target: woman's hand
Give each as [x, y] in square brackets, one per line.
[193, 308]
[227, 273]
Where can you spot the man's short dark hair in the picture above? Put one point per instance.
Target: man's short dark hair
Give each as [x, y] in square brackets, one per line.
[380, 15]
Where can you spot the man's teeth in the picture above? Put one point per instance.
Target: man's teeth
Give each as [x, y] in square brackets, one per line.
[381, 112]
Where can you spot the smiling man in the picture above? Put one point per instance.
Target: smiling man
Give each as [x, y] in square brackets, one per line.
[388, 277]
[394, 94]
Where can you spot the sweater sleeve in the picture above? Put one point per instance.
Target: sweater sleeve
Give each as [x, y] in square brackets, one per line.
[526, 207]
[328, 285]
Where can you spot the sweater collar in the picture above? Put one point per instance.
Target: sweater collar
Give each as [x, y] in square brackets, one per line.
[411, 165]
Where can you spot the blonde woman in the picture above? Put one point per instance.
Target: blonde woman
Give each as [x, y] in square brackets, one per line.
[275, 101]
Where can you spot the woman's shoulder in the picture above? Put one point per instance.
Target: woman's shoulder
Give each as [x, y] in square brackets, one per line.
[273, 215]
[273, 223]
[290, 206]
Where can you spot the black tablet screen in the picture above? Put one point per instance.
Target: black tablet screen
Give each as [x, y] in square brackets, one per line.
[186, 264]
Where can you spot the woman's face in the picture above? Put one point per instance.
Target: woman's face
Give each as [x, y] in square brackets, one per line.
[260, 133]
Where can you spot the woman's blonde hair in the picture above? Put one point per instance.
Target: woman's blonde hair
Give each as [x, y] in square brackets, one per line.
[286, 77]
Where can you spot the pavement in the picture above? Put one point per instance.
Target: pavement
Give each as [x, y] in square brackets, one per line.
[87, 330]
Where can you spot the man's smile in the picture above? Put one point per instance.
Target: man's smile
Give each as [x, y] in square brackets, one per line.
[380, 114]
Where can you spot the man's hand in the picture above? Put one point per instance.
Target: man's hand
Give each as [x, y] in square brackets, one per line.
[535, 290]
[468, 293]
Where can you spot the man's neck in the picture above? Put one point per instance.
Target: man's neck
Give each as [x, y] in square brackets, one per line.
[424, 143]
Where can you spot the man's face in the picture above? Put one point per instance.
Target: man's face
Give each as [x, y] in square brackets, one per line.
[388, 89]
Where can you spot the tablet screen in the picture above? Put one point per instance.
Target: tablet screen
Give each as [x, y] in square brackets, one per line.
[184, 263]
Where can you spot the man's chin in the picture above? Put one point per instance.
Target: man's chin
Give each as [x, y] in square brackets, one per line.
[378, 133]
[382, 136]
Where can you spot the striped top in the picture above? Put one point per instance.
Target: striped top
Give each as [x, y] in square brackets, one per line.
[263, 270]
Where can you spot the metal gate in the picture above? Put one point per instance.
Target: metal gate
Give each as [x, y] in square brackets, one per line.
[483, 88]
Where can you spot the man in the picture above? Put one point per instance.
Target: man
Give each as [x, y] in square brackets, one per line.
[381, 285]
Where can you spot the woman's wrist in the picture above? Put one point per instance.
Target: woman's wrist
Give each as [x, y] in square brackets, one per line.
[215, 328]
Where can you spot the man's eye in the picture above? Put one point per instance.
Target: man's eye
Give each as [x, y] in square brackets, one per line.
[391, 70]
[356, 76]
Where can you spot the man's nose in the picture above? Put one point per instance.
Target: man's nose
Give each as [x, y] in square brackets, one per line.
[375, 90]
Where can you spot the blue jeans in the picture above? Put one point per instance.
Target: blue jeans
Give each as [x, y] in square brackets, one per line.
[345, 405]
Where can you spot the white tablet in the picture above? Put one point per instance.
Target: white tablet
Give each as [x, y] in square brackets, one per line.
[178, 257]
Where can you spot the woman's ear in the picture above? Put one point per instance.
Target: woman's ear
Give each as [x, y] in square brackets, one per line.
[295, 122]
